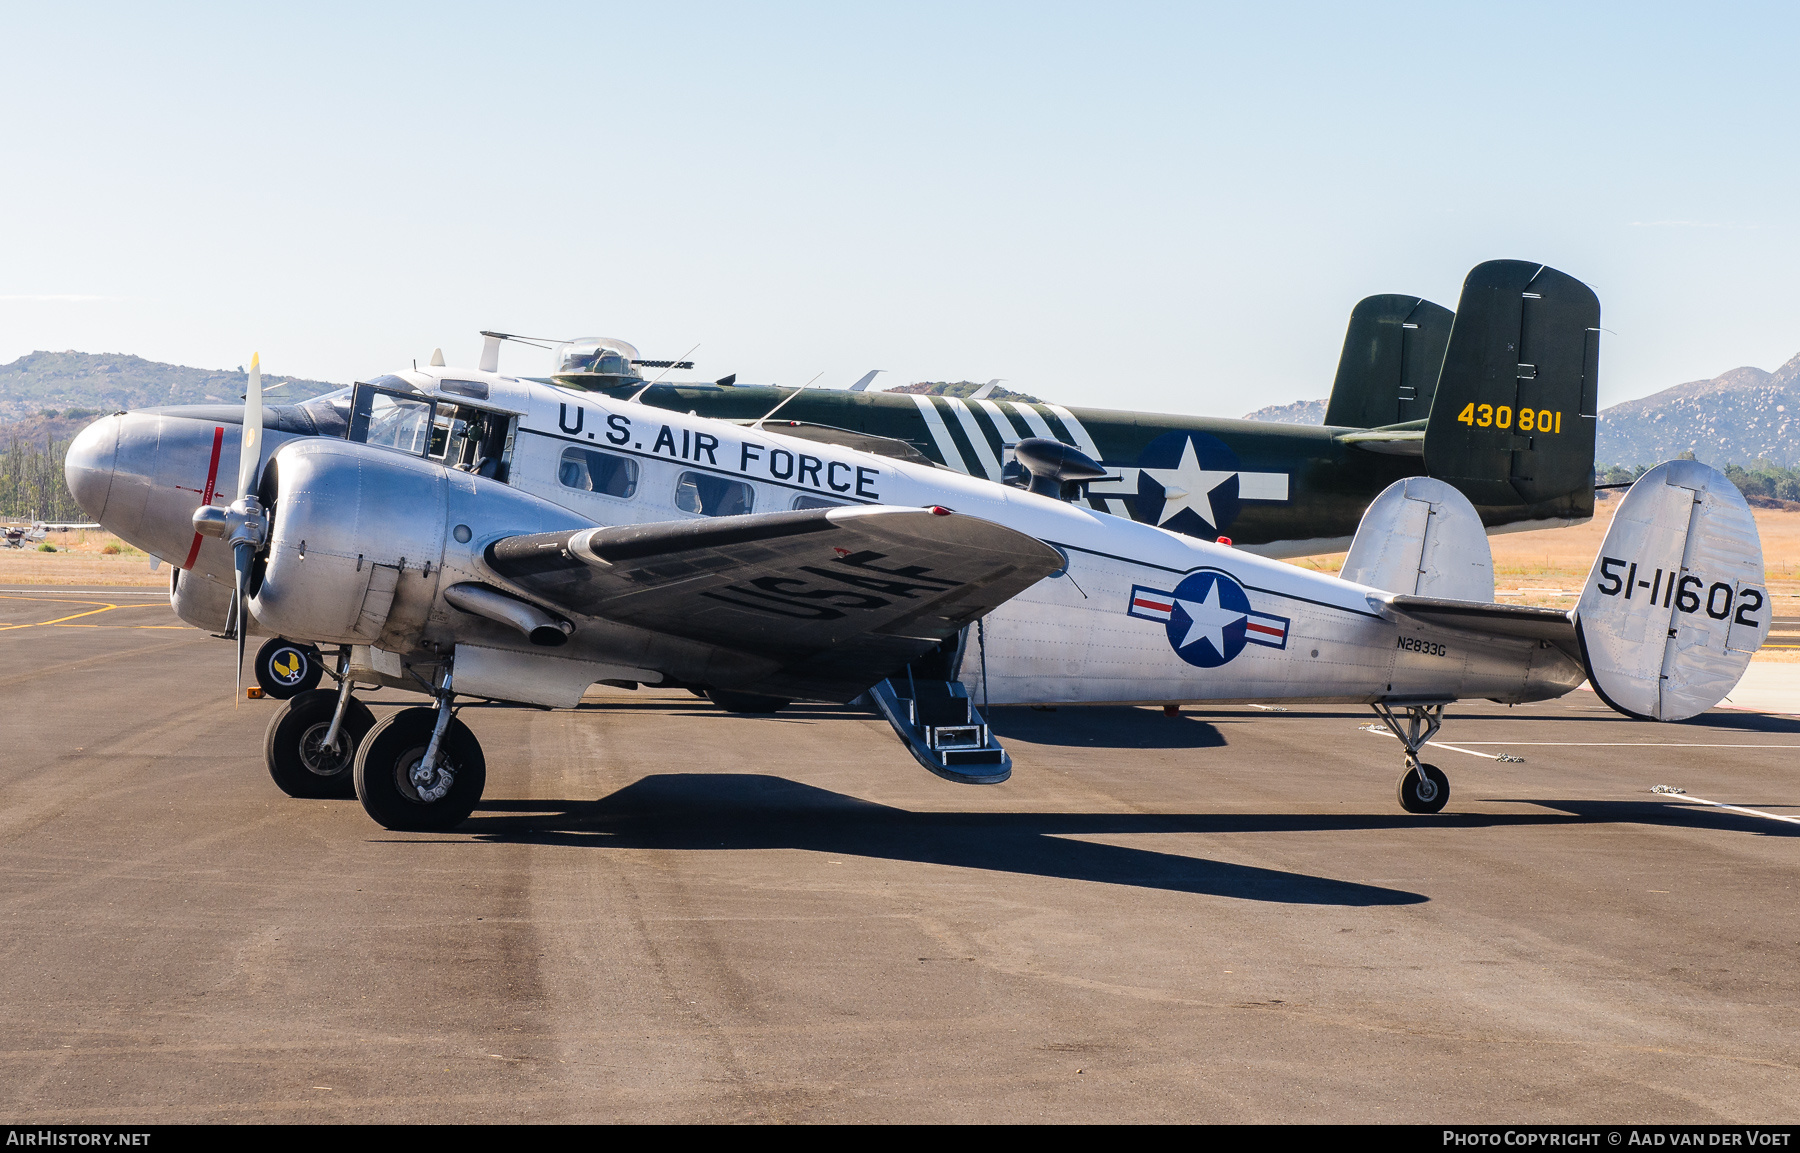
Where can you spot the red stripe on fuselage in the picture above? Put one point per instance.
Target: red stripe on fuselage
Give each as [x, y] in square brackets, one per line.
[1265, 629]
[212, 477]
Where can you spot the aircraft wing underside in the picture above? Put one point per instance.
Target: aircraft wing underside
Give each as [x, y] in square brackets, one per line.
[840, 597]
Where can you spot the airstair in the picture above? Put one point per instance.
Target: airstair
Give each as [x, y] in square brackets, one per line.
[941, 726]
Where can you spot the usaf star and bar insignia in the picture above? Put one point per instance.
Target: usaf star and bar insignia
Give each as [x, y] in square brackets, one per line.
[1208, 618]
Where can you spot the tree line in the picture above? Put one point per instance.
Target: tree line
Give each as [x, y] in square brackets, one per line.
[31, 483]
[1762, 478]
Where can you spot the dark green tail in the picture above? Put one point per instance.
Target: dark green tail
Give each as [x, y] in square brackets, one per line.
[1389, 369]
[1514, 417]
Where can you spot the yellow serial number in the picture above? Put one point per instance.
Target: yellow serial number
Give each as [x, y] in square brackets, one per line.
[1501, 416]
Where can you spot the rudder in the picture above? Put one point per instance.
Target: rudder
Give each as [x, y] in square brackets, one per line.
[1388, 370]
[1676, 602]
[1524, 352]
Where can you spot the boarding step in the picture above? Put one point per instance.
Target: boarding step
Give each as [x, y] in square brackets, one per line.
[943, 729]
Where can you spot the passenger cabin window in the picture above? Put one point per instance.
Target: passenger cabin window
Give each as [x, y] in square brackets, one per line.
[713, 495]
[600, 472]
[805, 500]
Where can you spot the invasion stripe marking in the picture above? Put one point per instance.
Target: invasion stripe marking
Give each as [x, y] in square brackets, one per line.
[940, 434]
[984, 452]
[1035, 421]
[1007, 429]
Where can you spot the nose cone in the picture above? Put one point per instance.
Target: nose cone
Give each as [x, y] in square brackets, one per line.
[88, 467]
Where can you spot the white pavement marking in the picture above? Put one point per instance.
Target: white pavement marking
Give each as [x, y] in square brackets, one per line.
[1626, 745]
[1683, 795]
[1382, 731]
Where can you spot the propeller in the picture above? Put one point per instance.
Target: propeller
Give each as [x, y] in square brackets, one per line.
[249, 527]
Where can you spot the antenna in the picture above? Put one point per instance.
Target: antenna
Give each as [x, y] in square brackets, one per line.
[640, 392]
[784, 400]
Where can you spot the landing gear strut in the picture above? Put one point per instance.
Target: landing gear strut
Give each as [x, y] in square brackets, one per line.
[310, 745]
[421, 769]
[1423, 788]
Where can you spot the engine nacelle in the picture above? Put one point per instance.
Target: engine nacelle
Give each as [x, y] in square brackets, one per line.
[360, 537]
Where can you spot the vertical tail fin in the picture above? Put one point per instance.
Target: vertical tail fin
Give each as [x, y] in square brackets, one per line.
[1676, 602]
[1421, 537]
[1524, 353]
[1388, 372]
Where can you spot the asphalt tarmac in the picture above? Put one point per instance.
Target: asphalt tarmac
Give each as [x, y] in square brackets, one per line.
[662, 912]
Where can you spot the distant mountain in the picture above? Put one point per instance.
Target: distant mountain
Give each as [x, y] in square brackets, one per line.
[1299, 412]
[959, 388]
[1734, 418]
[55, 382]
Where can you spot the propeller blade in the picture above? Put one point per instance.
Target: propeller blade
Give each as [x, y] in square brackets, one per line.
[250, 447]
[243, 554]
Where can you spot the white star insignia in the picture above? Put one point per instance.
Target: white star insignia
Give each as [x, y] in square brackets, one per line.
[1208, 620]
[1187, 485]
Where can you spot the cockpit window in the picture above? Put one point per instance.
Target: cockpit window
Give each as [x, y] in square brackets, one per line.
[396, 422]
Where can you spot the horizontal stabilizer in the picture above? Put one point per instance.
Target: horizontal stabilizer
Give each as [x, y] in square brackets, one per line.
[837, 599]
[1403, 440]
[1523, 622]
[1676, 601]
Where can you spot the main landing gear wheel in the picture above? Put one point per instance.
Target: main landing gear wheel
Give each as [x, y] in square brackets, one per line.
[285, 669]
[294, 745]
[398, 795]
[1424, 789]
[745, 702]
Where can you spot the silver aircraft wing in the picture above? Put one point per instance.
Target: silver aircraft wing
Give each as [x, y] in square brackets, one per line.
[840, 598]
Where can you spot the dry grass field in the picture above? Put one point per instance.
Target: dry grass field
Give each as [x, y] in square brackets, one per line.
[81, 558]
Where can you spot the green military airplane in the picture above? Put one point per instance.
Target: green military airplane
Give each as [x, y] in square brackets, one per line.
[1497, 398]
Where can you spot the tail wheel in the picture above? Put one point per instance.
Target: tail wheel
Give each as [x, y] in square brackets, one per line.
[294, 745]
[745, 702]
[285, 669]
[398, 795]
[1424, 789]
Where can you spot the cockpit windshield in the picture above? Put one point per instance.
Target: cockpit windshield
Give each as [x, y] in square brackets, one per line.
[330, 413]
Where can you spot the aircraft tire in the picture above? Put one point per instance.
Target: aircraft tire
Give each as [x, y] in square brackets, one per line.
[386, 757]
[745, 702]
[1411, 787]
[286, 669]
[292, 745]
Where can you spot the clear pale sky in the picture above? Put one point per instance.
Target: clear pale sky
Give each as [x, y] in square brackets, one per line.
[1169, 207]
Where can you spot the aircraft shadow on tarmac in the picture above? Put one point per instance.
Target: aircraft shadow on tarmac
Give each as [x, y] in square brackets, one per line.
[708, 812]
[1105, 728]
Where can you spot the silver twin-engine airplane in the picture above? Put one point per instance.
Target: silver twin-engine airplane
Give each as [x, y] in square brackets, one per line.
[465, 534]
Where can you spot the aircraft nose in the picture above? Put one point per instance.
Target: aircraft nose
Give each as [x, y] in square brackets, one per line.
[88, 466]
